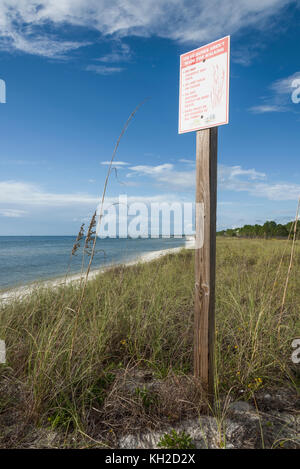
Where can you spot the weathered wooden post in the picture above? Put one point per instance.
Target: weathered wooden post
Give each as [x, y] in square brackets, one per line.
[205, 255]
[203, 106]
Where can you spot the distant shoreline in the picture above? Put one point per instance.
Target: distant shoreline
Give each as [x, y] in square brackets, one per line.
[24, 290]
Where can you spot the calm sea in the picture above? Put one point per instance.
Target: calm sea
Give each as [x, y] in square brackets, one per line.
[25, 259]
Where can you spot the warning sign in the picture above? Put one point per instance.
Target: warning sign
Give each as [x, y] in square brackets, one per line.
[204, 87]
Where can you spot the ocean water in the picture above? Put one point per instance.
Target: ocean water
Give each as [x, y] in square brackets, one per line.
[26, 259]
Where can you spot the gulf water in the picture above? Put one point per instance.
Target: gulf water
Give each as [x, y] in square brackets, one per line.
[26, 259]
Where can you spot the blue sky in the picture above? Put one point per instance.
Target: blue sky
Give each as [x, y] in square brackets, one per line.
[74, 71]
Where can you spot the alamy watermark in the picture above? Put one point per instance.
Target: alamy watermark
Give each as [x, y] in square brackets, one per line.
[2, 91]
[150, 220]
[296, 93]
[296, 352]
[2, 352]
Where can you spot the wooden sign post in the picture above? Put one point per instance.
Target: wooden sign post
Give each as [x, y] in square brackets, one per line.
[203, 106]
[205, 255]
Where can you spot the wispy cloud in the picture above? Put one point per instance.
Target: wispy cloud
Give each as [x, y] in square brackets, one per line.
[103, 69]
[265, 108]
[275, 191]
[165, 176]
[231, 173]
[245, 54]
[16, 197]
[23, 193]
[186, 161]
[12, 213]
[115, 163]
[25, 25]
[284, 86]
[279, 98]
[230, 178]
[5, 161]
[39, 45]
[151, 170]
[121, 53]
[256, 184]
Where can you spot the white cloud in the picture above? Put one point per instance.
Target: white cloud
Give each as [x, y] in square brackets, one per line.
[234, 178]
[166, 176]
[23, 193]
[27, 194]
[115, 163]
[16, 197]
[103, 69]
[25, 24]
[230, 178]
[279, 99]
[284, 85]
[276, 191]
[158, 198]
[12, 213]
[44, 46]
[152, 170]
[185, 161]
[121, 53]
[230, 173]
[264, 108]
[245, 53]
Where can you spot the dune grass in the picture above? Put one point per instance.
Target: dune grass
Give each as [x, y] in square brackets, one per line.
[64, 365]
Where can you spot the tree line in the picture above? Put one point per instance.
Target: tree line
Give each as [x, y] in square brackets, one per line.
[270, 229]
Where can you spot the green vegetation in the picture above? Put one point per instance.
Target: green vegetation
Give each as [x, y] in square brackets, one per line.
[66, 369]
[147, 397]
[176, 440]
[270, 229]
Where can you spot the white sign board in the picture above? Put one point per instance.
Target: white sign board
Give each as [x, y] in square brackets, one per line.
[204, 87]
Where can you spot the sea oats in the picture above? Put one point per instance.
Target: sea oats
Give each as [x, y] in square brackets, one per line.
[76, 245]
[90, 237]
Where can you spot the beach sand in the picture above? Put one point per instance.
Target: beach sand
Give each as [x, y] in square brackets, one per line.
[22, 291]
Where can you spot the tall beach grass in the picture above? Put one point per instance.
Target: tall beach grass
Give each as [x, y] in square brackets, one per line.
[65, 365]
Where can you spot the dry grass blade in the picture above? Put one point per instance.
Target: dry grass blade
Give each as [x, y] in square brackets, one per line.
[100, 216]
[75, 248]
[281, 259]
[92, 234]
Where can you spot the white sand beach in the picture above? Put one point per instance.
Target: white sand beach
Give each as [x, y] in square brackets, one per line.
[22, 291]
